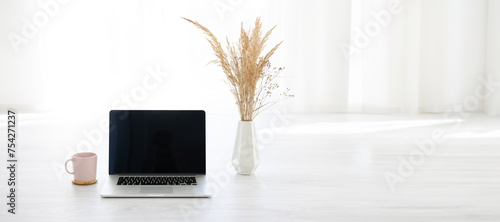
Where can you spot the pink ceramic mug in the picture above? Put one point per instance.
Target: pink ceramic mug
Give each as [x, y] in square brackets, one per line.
[84, 167]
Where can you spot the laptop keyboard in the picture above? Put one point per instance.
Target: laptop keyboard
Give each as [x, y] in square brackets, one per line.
[170, 180]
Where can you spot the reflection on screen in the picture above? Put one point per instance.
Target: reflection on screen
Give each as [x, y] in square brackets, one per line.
[157, 142]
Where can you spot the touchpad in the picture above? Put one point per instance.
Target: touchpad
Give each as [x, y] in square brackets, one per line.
[157, 189]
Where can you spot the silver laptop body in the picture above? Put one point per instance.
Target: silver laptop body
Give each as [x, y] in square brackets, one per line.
[147, 148]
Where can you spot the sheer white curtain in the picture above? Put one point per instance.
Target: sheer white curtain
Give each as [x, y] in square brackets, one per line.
[492, 105]
[93, 55]
[376, 56]
[424, 56]
[316, 69]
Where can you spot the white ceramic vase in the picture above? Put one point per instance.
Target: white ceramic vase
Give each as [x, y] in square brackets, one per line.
[246, 153]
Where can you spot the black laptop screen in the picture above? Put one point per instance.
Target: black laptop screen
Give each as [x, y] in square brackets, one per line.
[167, 142]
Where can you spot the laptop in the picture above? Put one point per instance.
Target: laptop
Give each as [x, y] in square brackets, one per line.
[157, 153]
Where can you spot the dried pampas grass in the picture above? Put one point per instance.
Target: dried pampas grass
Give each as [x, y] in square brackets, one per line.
[250, 75]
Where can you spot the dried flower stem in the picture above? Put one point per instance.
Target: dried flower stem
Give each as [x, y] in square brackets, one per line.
[250, 76]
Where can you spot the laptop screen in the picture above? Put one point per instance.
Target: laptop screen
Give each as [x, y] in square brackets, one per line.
[154, 142]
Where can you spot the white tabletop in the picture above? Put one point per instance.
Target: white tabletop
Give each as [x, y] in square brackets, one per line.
[313, 167]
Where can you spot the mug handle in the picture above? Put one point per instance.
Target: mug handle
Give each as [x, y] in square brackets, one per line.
[66, 166]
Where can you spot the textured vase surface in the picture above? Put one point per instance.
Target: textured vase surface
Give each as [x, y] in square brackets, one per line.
[246, 153]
